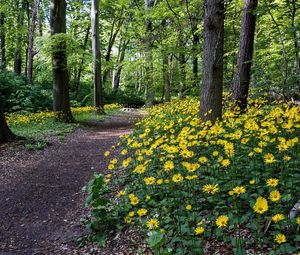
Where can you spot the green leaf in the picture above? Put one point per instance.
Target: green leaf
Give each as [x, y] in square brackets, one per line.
[155, 239]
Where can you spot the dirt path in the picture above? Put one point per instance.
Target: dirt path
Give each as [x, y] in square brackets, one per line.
[41, 196]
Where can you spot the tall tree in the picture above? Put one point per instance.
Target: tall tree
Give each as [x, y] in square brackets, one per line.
[61, 101]
[5, 134]
[212, 77]
[2, 43]
[19, 39]
[31, 39]
[243, 75]
[148, 44]
[97, 78]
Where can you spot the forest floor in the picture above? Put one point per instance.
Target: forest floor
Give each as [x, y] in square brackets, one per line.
[41, 193]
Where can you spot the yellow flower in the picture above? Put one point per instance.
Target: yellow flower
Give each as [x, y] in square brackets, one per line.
[169, 165]
[252, 182]
[215, 153]
[298, 220]
[127, 220]
[121, 193]
[239, 190]
[225, 162]
[199, 230]
[287, 158]
[111, 167]
[275, 195]
[188, 207]
[278, 217]
[149, 180]
[202, 160]
[148, 198]
[269, 158]
[177, 178]
[152, 223]
[210, 188]
[280, 238]
[134, 201]
[139, 169]
[142, 212]
[222, 221]
[272, 182]
[131, 214]
[261, 205]
[107, 153]
[160, 181]
[231, 193]
[124, 152]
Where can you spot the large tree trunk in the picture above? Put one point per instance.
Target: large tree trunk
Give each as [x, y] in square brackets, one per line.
[98, 94]
[242, 81]
[2, 43]
[31, 40]
[61, 101]
[212, 79]
[18, 51]
[5, 134]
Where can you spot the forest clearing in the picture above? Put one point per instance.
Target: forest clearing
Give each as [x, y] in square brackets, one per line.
[149, 127]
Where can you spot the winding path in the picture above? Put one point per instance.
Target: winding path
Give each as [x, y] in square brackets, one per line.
[41, 198]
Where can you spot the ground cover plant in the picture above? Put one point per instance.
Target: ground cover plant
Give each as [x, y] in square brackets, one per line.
[38, 127]
[194, 187]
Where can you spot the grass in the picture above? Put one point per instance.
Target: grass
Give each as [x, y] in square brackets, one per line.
[38, 132]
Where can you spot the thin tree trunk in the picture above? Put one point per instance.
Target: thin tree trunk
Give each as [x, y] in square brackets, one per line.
[2, 43]
[212, 78]
[61, 101]
[242, 81]
[166, 77]
[86, 39]
[5, 133]
[149, 87]
[31, 40]
[195, 59]
[182, 63]
[111, 43]
[98, 94]
[18, 51]
[117, 76]
[296, 45]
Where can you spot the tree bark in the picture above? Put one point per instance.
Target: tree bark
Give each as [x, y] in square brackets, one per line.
[97, 78]
[117, 76]
[149, 58]
[212, 79]
[242, 81]
[5, 134]
[18, 51]
[61, 101]
[2, 43]
[166, 77]
[31, 40]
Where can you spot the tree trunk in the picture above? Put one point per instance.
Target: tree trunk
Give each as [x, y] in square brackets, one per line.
[5, 134]
[86, 39]
[242, 81]
[166, 77]
[117, 76]
[2, 43]
[61, 101]
[31, 40]
[195, 58]
[97, 79]
[212, 79]
[149, 58]
[18, 51]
